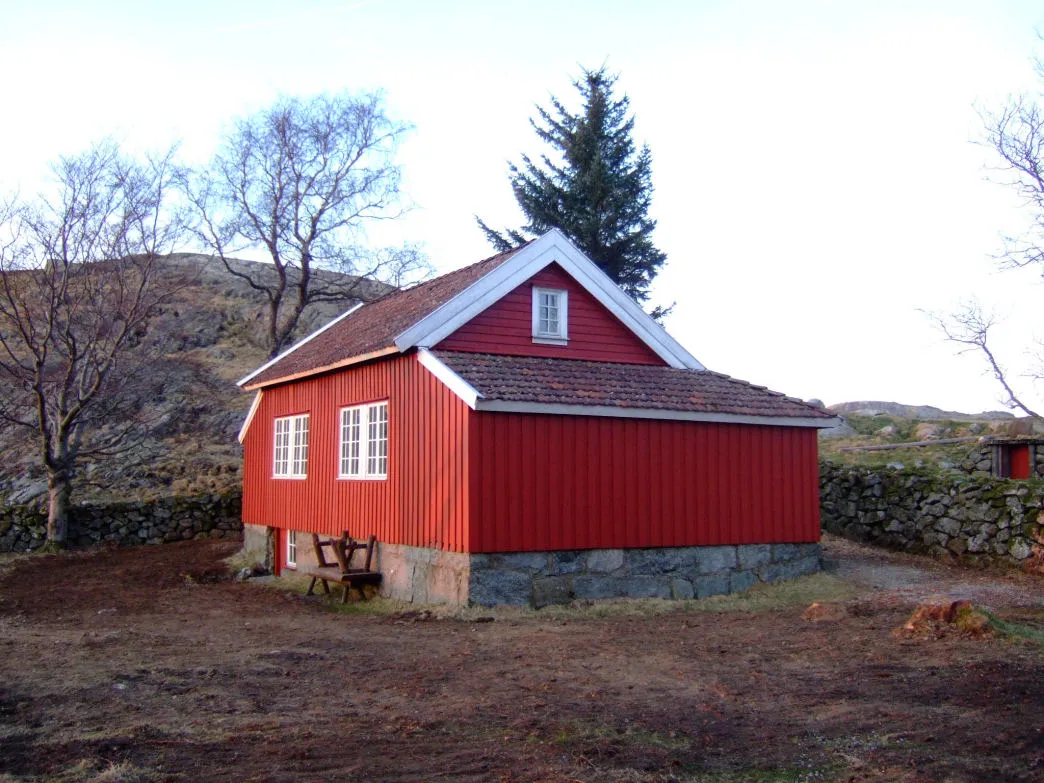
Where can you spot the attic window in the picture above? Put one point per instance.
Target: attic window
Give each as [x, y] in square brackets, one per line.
[550, 316]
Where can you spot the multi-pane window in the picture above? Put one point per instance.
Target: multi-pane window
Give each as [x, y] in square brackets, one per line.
[550, 313]
[377, 439]
[364, 441]
[291, 548]
[351, 441]
[290, 456]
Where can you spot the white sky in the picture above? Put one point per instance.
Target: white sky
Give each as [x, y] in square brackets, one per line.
[816, 184]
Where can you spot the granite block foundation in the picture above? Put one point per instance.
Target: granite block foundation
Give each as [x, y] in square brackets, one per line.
[422, 575]
[543, 578]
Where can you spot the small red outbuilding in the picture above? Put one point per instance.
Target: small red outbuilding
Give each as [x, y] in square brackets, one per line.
[520, 431]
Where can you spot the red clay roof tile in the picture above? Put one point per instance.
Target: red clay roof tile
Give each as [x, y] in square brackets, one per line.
[572, 382]
[374, 327]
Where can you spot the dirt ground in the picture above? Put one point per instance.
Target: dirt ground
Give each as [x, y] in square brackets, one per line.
[148, 664]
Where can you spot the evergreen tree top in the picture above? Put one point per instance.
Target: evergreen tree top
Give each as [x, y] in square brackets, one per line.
[593, 185]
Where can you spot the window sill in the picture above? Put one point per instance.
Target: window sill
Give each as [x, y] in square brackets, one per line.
[539, 340]
[290, 478]
[362, 478]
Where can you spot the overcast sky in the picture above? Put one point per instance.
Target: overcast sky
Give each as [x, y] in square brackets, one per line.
[817, 187]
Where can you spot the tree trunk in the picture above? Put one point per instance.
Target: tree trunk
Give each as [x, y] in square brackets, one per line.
[58, 490]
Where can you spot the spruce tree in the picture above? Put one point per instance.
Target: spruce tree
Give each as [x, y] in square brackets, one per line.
[598, 189]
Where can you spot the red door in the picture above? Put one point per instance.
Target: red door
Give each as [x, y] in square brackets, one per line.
[1020, 462]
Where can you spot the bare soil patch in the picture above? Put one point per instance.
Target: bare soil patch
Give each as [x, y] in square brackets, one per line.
[148, 664]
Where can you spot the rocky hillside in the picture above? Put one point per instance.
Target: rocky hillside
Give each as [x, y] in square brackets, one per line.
[210, 335]
[878, 424]
[919, 412]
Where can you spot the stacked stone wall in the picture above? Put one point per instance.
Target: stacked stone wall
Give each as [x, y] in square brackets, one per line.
[941, 513]
[24, 528]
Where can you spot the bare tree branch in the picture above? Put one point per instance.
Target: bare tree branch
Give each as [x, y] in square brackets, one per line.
[970, 326]
[300, 180]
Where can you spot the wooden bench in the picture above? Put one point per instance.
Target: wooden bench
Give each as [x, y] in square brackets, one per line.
[341, 571]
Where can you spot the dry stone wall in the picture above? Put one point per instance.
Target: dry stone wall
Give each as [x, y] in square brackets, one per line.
[166, 519]
[942, 513]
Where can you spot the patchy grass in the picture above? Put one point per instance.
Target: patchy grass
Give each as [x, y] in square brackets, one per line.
[375, 605]
[1014, 629]
[588, 733]
[94, 771]
[240, 560]
[774, 597]
[778, 775]
[868, 433]
[778, 596]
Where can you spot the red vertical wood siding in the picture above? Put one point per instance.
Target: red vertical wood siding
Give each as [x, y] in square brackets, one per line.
[543, 482]
[595, 334]
[424, 500]
[1020, 462]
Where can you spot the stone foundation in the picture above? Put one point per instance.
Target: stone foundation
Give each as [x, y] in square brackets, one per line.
[432, 576]
[424, 576]
[542, 578]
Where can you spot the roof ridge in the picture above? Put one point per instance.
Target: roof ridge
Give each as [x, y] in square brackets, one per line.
[599, 362]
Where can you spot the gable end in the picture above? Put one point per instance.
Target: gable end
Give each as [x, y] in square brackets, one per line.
[581, 327]
[552, 247]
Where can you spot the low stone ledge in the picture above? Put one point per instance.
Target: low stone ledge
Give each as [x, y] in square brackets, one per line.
[24, 528]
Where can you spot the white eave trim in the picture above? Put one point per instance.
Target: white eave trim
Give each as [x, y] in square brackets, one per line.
[246, 379]
[612, 411]
[250, 416]
[450, 379]
[551, 247]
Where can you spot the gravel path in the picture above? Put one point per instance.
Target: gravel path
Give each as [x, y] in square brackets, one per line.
[914, 579]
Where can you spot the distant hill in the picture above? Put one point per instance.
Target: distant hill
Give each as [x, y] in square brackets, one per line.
[920, 412]
[210, 334]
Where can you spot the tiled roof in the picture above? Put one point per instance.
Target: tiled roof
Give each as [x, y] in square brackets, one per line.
[572, 382]
[375, 326]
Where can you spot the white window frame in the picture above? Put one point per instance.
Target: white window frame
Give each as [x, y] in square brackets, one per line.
[291, 548]
[290, 447]
[545, 336]
[363, 441]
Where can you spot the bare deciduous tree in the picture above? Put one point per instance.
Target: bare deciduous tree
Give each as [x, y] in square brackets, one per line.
[1015, 133]
[300, 180]
[78, 285]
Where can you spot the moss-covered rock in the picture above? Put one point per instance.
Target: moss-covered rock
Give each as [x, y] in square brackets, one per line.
[939, 511]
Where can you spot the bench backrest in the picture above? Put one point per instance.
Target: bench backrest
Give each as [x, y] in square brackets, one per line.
[342, 548]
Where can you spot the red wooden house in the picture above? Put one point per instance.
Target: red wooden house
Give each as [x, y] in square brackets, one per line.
[520, 431]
